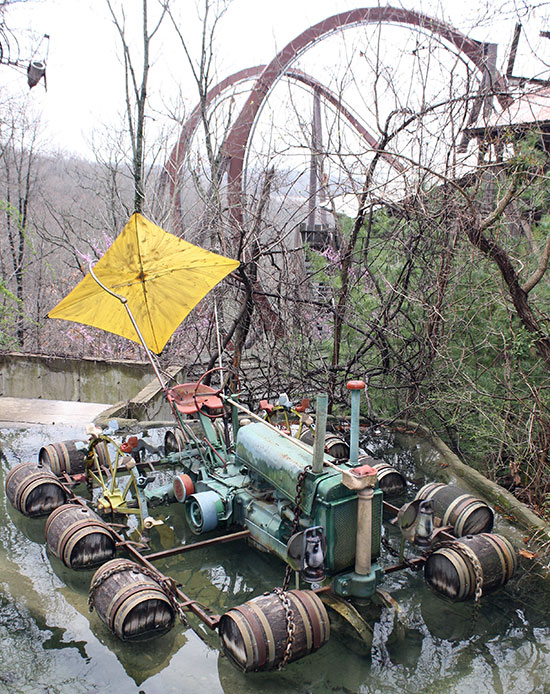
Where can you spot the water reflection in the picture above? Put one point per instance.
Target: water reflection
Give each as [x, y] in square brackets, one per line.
[50, 643]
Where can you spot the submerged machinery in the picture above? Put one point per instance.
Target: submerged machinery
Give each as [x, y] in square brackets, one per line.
[239, 476]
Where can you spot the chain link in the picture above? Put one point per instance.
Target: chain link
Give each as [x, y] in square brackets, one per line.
[167, 584]
[469, 555]
[289, 617]
[281, 593]
[296, 520]
[100, 580]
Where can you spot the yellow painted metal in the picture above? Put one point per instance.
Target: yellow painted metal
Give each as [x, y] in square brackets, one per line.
[112, 499]
[361, 629]
[162, 276]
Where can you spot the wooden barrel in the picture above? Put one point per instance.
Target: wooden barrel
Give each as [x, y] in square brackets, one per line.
[467, 515]
[254, 635]
[34, 490]
[334, 445]
[79, 537]
[307, 436]
[450, 570]
[390, 481]
[129, 602]
[174, 442]
[65, 456]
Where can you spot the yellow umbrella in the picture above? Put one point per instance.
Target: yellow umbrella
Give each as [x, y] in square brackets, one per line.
[161, 276]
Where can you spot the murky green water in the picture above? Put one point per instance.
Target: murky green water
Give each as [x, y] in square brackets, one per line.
[50, 643]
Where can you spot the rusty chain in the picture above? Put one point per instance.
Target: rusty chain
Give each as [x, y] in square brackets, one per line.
[126, 566]
[168, 585]
[289, 619]
[470, 556]
[281, 593]
[458, 547]
[296, 520]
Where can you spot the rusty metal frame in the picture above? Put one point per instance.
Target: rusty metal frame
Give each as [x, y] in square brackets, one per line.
[174, 164]
[237, 141]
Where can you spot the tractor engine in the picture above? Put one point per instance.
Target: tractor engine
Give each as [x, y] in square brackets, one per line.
[270, 488]
[325, 501]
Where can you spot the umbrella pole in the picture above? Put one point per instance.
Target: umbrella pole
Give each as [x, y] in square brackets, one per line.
[123, 300]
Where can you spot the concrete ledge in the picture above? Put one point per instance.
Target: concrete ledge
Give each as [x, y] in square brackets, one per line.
[79, 380]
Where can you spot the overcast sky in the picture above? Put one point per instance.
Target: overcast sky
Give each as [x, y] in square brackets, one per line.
[85, 77]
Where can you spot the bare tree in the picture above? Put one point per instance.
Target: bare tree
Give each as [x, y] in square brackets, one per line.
[136, 88]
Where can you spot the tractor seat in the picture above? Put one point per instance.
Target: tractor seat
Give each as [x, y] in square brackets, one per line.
[189, 398]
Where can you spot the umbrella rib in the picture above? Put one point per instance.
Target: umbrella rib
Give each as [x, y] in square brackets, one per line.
[141, 278]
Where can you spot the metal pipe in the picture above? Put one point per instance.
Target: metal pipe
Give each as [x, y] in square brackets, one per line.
[355, 387]
[363, 545]
[241, 535]
[320, 432]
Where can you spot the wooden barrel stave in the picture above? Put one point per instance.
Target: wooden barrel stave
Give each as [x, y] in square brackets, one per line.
[34, 490]
[253, 635]
[78, 537]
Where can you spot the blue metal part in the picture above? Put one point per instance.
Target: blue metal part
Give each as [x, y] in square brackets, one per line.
[354, 428]
[202, 510]
[354, 585]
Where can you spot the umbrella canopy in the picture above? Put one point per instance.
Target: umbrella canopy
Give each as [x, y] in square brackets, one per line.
[162, 276]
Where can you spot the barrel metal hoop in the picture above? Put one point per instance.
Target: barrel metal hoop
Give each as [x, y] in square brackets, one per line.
[470, 555]
[71, 542]
[53, 515]
[48, 455]
[122, 594]
[29, 488]
[262, 633]
[451, 507]
[499, 551]
[124, 609]
[464, 570]
[64, 459]
[74, 528]
[429, 490]
[467, 512]
[104, 575]
[244, 631]
[22, 490]
[321, 629]
[311, 637]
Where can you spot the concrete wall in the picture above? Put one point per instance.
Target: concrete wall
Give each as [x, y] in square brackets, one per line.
[83, 380]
